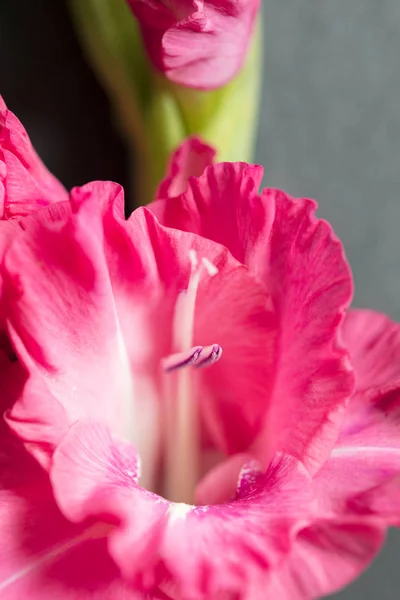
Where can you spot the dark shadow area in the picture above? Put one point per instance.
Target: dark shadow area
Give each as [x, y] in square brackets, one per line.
[46, 82]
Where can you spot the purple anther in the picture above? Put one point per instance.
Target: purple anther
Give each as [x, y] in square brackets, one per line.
[181, 359]
[209, 355]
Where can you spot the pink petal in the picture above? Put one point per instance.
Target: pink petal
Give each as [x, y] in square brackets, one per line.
[381, 500]
[220, 483]
[204, 551]
[233, 548]
[232, 310]
[359, 485]
[3, 357]
[195, 43]
[8, 230]
[105, 485]
[311, 287]
[353, 474]
[61, 315]
[149, 266]
[369, 443]
[374, 344]
[89, 300]
[303, 267]
[33, 413]
[325, 557]
[42, 555]
[222, 205]
[25, 183]
[189, 160]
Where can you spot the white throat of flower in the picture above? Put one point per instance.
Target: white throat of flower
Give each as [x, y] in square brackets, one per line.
[182, 456]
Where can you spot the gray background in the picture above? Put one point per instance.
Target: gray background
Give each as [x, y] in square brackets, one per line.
[330, 129]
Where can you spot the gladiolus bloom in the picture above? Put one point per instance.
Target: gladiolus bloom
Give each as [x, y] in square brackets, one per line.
[191, 401]
[197, 43]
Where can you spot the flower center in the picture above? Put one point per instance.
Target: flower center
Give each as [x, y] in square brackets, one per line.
[182, 455]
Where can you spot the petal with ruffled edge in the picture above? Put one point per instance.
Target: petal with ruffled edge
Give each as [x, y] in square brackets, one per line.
[359, 486]
[347, 531]
[42, 555]
[234, 547]
[311, 287]
[189, 160]
[303, 267]
[25, 183]
[365, 462]
[222, 205]
[203, 551]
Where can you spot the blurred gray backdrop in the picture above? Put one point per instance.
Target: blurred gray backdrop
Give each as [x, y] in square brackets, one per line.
[330, 129]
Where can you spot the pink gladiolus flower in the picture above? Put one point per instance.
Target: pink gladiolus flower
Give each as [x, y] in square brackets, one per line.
[197, 43]
[182, 421]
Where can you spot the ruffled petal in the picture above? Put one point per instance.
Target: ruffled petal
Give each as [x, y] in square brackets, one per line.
[200, 551]
[311, 287]
[233, 548]
[357, 498]
[106, 476]
[358, 488]
[365, 462]
[223, 205]
[189, 160]
[325, 557]
[25, 183]
[42, 555]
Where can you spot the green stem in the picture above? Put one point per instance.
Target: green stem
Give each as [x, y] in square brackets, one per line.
[155, 115]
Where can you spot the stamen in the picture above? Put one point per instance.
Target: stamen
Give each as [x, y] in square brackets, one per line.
[208, 356]
[181, 359]
[182, 466]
